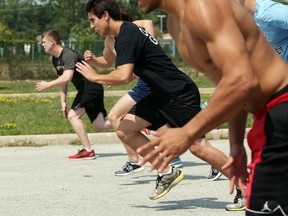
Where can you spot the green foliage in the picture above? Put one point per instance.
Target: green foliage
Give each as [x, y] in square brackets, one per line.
[5, 33]
[26, 19]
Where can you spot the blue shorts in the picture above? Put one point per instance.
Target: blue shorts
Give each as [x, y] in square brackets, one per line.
[140, 91]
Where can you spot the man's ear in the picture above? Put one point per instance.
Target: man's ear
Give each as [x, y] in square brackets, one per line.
[106, 15]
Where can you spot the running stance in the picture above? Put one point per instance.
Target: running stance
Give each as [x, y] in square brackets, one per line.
[271, 17]
[221, 39]
[89, 98]
[127, 101]
[174, 97]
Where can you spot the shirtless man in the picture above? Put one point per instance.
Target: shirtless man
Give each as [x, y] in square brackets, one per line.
[221, 39]
[174, 97]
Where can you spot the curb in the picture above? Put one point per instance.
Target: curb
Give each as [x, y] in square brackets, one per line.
[107, 93]
[96, 138]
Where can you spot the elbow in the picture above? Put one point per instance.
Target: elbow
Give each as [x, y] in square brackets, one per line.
[125, 81]
[246, 87]
[66, 80]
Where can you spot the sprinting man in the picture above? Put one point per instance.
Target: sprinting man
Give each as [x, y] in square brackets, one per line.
[174, 97]
[127, 101]
[89, 98]
[221, 39]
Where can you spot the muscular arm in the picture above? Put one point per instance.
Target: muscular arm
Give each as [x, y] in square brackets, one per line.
[121, 75]
[219, 45]
[226, 47]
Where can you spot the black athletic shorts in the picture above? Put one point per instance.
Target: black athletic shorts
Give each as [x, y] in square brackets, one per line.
[176, 112]
[267, 188]
[92, 99]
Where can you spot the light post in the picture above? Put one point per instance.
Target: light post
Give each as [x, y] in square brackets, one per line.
[161, 21]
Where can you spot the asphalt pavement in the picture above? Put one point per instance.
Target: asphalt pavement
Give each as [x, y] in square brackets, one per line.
[41, 181]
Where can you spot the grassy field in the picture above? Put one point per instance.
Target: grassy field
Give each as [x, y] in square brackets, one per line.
[28, 86]
[23, 115]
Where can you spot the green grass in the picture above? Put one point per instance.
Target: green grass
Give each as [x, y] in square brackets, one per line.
[21, 116]
[28, 86]
[24, 116]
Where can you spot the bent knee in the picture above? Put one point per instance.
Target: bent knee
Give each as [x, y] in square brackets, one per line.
[199, 147]
[72, 115]
[114, 120]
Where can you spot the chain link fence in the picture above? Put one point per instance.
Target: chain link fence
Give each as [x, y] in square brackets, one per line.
[28, 60]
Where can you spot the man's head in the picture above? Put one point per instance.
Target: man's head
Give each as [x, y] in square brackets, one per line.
[50, 39]
[100, 13]
[99, 7]
[148, 5]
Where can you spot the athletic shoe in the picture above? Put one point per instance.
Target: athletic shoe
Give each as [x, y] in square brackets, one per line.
[146, 131]
[214, 174]
[129, 168]
[176, 162]
[83, 155]
[239, 202]
[164, 183]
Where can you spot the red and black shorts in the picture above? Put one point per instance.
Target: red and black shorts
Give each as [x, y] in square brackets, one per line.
[267, 188]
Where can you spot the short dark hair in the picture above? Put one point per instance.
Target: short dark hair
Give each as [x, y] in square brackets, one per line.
[52, 34]
[125, 15]
[98, 7]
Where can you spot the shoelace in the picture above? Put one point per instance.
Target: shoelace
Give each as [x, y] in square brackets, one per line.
[214, 170]
[126, 166]
[80, 150]
[158, 181]
[238, 195]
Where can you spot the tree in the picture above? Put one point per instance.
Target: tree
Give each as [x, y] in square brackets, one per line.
[5, 33]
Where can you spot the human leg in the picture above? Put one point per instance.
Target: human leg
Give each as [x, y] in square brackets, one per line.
[74, 117]
[208, 153]
[129, 132]
[176, 162]
[100, 123]
[119, 110]
[267, 188]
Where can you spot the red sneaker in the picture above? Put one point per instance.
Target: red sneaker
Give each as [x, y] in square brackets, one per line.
[83, 155]
[146, 131]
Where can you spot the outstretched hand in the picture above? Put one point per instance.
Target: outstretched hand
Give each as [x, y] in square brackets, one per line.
[42, 85]
[86, 70]
[237, 162]
[169, 144]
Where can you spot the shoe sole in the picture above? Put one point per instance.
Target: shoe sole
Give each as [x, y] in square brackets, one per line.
[137, 171]
[86, 158]
[216, 177]
[173, 184]
[237, 209]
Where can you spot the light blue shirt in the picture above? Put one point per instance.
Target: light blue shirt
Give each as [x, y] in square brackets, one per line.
[272, 18]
